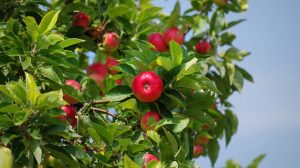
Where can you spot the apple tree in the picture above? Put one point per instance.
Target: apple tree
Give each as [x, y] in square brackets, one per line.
[117, 83]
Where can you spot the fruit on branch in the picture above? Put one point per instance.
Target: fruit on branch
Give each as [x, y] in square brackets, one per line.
[157, 40]
[149, 119]
[6, 158]
[110, 62]
[69, 98]
[98, 72]
[70, 115]
[149, 158]
[110, 42]
[202, 140]
[198, 150]
[81, 19]
[221, 2]
[203, 47]
[94, 32]
[147, 86]
[175, 34]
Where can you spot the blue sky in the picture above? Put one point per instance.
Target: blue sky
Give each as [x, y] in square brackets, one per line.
[269, 109]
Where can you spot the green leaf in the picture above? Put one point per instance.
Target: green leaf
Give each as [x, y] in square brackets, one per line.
[129, 104]
[37, 151]
[213, 151]
[128, 163]
[165, 62]
[69, 42]
[12, 108]
[188, 82]
[119, 93]
[255, 163]
[176, 52]
[49, 73]
[48, 22]
[174, 15]
[26, 63]
[74, 93]
[103, 133]
[154, 136]
[17, 92]
[32, 90]
[60, 153]
[245, 74]
[14, 52]
[50, 100]
[21, 117]
[172, 141]
[31, 27]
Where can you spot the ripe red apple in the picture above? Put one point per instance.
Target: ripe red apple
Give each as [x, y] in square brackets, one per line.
[149, 119]
[203, 47]
[148, 158]
[119, 81]
[157, 40]
[70, 115]
[81, 19]
[198, 150]
[221, 2]
[111, 41]
[69, 98]
[147, 86]
[202, 140]
[98, 72]
[175, 34]
[110, 62]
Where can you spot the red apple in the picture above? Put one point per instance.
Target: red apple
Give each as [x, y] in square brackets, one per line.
[203, 47]
[70, 115]
[149, 119]
[110, 62]
[198, 150]
[111, 41]
[157, 40]
[81, 19]
[69, 98]
[148, 158]
[119, 81]
[147, 86]
[98, 72]
[97, 68]
[175, 34]
[221, 2]
[202, 140]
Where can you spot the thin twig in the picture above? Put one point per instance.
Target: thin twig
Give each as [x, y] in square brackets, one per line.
[102, 101]
[104, 111]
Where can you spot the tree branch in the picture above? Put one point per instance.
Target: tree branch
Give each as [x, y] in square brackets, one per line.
[104, 111]
[102, 101]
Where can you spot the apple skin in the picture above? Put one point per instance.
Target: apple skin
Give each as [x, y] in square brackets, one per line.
[203, 47]
[221, 2]
[202, 140]
[98, 72]
[111, 41]
[81, 19]
[70, 115]
[175, 34]
[157, 40]
[147, 117]
[148, 158]
[69, 98]
[110, 62]
[147, 86]
[198, 150]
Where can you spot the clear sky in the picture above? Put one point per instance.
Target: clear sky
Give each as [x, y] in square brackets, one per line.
[269, 109]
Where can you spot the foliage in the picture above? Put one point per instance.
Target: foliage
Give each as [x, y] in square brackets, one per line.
[40, 50]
